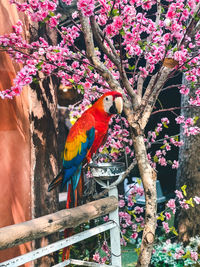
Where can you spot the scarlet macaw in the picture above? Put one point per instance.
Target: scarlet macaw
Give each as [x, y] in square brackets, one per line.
[84, 138]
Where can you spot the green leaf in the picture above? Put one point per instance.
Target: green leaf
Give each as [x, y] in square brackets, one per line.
[196, 17]
[155, 159]
[52, 14]
[195, 119]
[165, 125]
[176, 138]
[122, 32]
[183, 189]
[192, 85]
[161, 216]
[131, 67]
[71, 80]
[139, 181]
[114, 12]
[90, 67]
[173, 230]
[81, 88]
[137, 250]
[162, 147]
[139, 229]
[39, 65]
[105, 151]
[35, 80]
[127, 55]
[114, 150]
[187, 255]
[190, 202]
[169, 47]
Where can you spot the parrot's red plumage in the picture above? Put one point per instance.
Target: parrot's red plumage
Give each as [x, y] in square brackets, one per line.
[84, 139]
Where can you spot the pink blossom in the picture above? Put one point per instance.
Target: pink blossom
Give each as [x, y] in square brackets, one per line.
[165, 120]
[105, 247]
[134, 235]
[175, 164]
[86, 6]
[121, 203]
[166, 227]
[96, 257]
[162, 161]
[144, 72]
[104, 259]
[180, 119]
[183, 204]
[118, 22]
[138, 210]
[184, 90]
[177, 256]
[171, 204]
[167, 215]
[106, 218]
[123, 242]
[179, 194]
[194, 255]
[197, 200]
[127, 150]
[53, 21]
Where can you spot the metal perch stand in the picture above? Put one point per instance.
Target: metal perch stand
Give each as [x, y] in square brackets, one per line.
[109, 175]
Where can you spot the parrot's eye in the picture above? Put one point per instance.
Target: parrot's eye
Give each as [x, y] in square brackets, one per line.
[107, 98]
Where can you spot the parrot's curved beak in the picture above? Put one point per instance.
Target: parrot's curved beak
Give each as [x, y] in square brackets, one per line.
[119, 104]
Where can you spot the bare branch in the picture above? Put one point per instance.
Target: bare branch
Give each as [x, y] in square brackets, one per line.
[153, 90]
[140, 83]
[96, 32]
[112, 55]
[99, 66]
[158, 12]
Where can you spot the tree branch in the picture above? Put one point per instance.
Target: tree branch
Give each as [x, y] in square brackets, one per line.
[112, 55]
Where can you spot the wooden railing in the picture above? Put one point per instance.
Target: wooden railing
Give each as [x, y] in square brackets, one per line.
[27, 231]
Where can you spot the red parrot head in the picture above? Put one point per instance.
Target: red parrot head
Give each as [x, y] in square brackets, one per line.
[110, 102]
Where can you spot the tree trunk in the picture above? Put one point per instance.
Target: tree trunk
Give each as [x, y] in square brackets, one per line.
[149, 182]
[189, 174]
[44, 155]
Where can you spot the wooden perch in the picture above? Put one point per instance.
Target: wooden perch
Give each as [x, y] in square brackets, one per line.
[13, 235]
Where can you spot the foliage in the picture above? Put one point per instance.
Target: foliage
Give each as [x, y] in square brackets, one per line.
[140, 40]
[166, 253]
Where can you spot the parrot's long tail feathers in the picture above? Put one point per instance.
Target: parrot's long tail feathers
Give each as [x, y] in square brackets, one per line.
[56, 181]
[69, 197]
[72, 201]
[66, 251]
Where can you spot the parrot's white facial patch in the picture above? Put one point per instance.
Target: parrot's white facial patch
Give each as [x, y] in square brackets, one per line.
[107, 103]
[113, 106]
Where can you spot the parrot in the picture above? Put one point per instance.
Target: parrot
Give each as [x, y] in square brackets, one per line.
[84, 139]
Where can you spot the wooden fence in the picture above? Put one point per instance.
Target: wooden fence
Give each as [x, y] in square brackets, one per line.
[27, 231]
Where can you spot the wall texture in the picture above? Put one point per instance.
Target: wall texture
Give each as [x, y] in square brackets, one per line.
[15, 167]
[28, 146]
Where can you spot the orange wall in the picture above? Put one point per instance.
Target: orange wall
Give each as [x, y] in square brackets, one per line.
[15, 166]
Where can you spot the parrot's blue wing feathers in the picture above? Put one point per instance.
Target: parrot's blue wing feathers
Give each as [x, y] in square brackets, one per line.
[72, 168]
[76, 149]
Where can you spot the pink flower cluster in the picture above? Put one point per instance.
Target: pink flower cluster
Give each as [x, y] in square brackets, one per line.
[39, 10]
[86, 6]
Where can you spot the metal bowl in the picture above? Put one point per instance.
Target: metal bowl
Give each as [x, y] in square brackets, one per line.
[106, 171]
